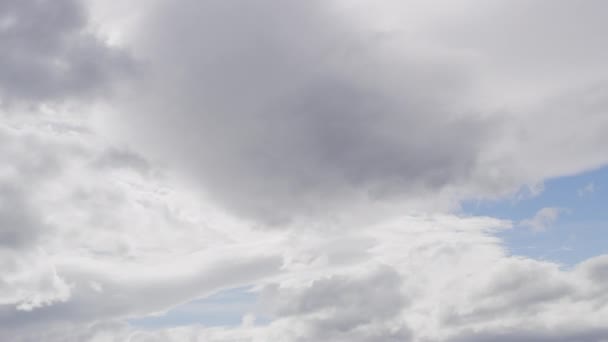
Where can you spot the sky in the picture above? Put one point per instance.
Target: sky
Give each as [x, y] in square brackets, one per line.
[336, 170]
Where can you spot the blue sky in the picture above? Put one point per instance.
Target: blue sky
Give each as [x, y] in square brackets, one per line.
[578, 233]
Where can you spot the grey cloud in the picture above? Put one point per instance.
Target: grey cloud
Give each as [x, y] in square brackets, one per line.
[48, 54]
[562, 135]
[541, 334]
[345, 308]
[595, 269]
[514, 288]
[282, 108]
[27, 163]
[382, 289]
[28, 160]
[115, 158]
[20, 224]
[304, 112]
[533, 38]
[102, 331]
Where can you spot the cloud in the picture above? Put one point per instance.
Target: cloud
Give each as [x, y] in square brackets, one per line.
[413, 264]
[543, 219]
[383, 283]
[316, 112]
[49, 53]
[586, 334]
[259, 111]
[18, 225]
[86, 232]
[137, 290]
[296, 114]
[343, 308]
[28, 279]
[587, 189]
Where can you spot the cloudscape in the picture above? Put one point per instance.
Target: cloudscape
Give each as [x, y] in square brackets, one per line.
[293, 171]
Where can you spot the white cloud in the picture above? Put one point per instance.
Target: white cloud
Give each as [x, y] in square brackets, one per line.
[76, 212]
[543, 219]
[439, 278]
[587, 189]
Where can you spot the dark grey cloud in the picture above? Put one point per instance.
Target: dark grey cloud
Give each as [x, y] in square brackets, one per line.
[284, 108]
[48, 54]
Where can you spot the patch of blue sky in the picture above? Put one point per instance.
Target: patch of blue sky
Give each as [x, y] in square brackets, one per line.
[225, 308]
[580, 231]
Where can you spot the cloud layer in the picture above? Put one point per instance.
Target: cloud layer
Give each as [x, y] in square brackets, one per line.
[355, 127]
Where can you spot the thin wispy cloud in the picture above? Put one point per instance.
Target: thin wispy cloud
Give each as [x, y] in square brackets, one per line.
[543, 219]
[586, 190]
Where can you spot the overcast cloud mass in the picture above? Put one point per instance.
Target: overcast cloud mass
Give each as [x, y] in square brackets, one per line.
[315, 155]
